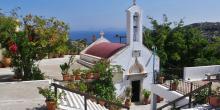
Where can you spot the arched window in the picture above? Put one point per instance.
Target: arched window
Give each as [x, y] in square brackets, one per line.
[135, 27]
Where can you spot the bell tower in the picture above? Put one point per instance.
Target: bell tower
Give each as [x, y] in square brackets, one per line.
[134, 25]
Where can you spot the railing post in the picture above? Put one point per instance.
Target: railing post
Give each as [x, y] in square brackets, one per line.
[190, 96]
[55, 90]
[85, 102]
[170, 85]
[174, 105]
[210, 90]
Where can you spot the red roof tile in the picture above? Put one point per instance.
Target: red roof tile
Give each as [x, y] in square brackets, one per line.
[105, 49]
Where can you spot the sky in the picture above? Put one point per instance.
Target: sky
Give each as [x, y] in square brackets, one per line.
[96, 15]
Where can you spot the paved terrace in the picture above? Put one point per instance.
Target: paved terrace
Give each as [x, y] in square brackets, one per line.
[22, 95]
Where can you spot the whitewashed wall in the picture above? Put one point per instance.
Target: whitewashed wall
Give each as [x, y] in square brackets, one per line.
[125, 59]
[168, 95]
[198, 73]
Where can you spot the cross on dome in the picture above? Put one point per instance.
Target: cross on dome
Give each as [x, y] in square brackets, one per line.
[134, 2]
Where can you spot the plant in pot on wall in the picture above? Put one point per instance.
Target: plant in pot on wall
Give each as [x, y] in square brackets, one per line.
[174, 83]
[76, 74]
[214, 99]
[160, 78]
[65, 68]
[89, 74]
[49, 94]
[128, 96]
[146, 94]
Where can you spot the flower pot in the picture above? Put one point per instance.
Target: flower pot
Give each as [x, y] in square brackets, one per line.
[50, 55]
[66, 77]
[174, 86]
[96, 75]
[214, 101]
[6, 61]
[51, 105]
[158, 99]
[72, 77]
[89, 76]
[78, 77]
[1, 65]
[146, 101]
[61, 55]
[102, 103]
[161, 80]
[128, 102]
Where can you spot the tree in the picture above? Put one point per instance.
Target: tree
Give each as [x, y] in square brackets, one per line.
[179, 46]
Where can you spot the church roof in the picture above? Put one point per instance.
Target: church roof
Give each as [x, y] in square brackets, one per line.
[104, 49]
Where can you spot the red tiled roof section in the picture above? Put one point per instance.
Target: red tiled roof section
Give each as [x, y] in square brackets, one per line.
[104, 49]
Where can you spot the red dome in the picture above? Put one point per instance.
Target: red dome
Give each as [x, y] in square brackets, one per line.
[104, 49]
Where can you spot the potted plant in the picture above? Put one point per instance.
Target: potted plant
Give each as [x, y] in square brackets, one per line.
[82, 87]
[1, 65]
[6, 59]
[160, 78]
[174, 83]
[214, 99]
[128, 96]
[89, 74]
[49, 94]
[77, 74]
[65, 68]
[146, 94]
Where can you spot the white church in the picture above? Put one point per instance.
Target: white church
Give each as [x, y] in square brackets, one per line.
[136, 59]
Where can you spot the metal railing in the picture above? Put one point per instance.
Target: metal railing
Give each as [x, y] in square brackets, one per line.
[173, 103]
[183, 87]
[87, 96]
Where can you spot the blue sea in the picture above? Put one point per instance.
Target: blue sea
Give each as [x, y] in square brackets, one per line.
[110, 35]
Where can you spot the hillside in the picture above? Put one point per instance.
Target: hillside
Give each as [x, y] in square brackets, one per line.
[209, 29]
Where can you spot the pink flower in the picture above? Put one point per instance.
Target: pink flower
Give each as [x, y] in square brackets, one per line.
[13, 48]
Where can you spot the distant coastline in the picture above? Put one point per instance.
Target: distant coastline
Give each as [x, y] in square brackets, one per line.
[110, 35]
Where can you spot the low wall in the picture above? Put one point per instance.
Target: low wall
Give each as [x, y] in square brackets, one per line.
[198, 73]
[167, 94]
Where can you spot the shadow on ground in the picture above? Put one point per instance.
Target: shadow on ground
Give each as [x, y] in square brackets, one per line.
[38, 108]
[6, 78]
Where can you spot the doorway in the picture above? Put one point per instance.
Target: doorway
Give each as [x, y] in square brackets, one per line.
[135, 91]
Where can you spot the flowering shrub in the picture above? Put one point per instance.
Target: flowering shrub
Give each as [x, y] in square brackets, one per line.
[13, 48]
[37, 37]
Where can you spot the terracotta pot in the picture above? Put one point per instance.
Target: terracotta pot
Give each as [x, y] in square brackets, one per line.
[55, 55]
[89, 76]
[128, 102]
[51, 105]
[158, 99]
[66, 77]
[50, 55]
[61, 55]
[1, 65]
[174, 86]
[102, 103]
[161, 99]
[6, 61]
[146, 101]
[161, 80]
[96, 75]
[78, 77]
[72, 77]
[214, 101]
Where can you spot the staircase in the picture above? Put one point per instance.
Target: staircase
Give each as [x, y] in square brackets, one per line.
[75, 100]
[187, 89]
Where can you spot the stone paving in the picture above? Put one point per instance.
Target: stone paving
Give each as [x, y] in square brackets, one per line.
[22, 95]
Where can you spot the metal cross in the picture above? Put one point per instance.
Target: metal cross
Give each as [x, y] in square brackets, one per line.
[134, 2]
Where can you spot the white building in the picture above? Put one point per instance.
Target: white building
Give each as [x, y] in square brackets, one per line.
[134, 57]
